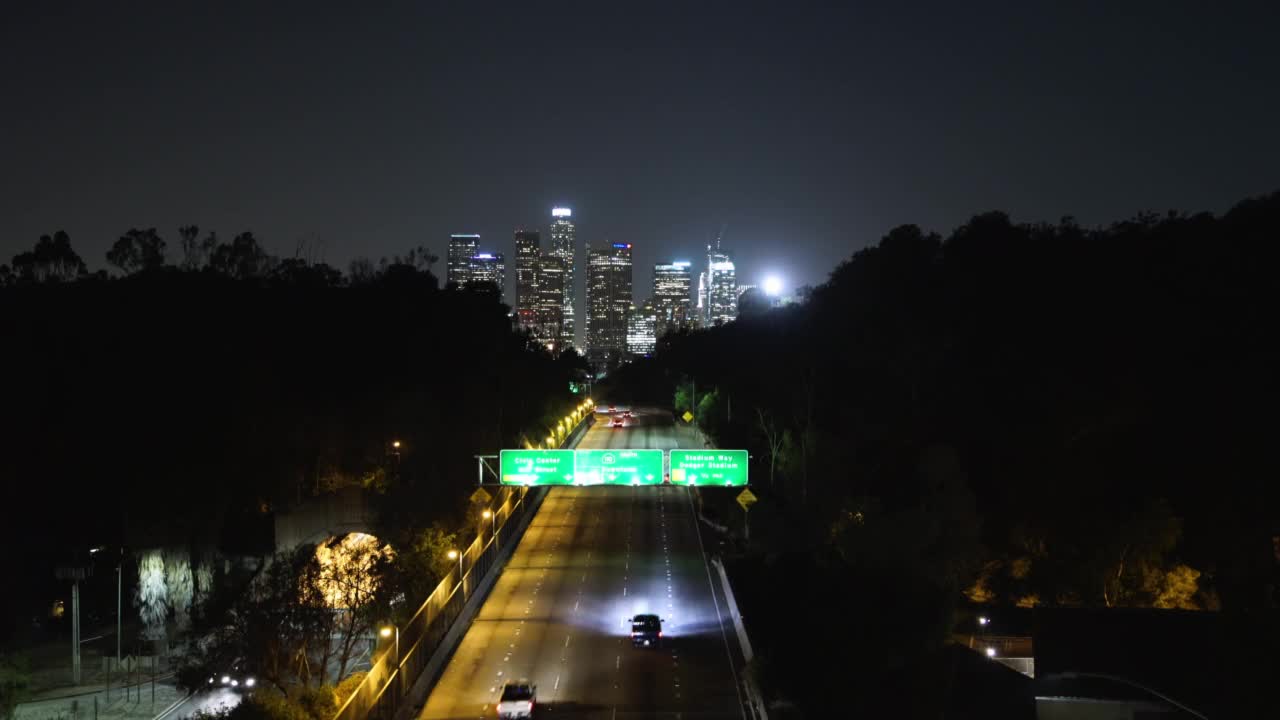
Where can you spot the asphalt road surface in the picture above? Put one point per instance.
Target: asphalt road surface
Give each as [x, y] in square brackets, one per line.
[205, 701]
[591, 557]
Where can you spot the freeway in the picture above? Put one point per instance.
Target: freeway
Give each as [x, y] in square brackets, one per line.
[591, 557]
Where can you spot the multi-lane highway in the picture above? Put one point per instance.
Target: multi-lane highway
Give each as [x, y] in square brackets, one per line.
[591, 557]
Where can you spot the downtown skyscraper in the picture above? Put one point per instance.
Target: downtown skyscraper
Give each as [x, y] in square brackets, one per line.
[489, 270]
[469, 268]
[608, 298]
[671, 298]
[528, 255]
[462, 247]
[549, 310]
[721, 287]
[641, 332]
[563, 247]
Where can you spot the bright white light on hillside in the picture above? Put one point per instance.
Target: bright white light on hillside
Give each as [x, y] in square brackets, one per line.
[773, 285]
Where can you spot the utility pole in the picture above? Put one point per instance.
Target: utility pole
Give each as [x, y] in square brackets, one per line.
[75, 632]
[74, 573]
[119, 603]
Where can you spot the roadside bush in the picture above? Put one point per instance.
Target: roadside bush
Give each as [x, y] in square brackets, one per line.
[15, 682]
[348, 686]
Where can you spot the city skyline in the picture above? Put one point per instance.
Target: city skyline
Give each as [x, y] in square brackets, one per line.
[659, 140]
[529, 252]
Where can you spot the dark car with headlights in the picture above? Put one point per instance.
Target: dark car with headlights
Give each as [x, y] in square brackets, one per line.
[646, 631]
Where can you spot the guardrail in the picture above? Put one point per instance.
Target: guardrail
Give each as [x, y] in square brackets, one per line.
[390, 679]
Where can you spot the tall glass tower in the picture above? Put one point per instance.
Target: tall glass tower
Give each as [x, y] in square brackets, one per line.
[671, 299]
[608, 297]
[462, 247]
[563, 247]
[528, 253]
[722, 287]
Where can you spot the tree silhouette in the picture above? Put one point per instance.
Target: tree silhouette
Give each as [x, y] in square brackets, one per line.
[137, 250]
[243, 258]
[193, 256]
[51, 260]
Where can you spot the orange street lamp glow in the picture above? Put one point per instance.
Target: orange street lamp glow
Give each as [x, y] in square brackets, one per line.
[486, 514]
[386, 632]
[396, 444]
[453, 554]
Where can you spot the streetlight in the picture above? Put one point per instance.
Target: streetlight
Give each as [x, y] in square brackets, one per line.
[119, 600]
[455, 555]
[386, 632]
[493, 523]
[395, 450]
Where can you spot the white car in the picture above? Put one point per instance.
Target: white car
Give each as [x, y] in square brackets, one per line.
[518, 699]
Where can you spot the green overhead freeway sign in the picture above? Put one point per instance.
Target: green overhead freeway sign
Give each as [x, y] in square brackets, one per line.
[536, 467]
[622, 467]
[709, 467]
[618, 467]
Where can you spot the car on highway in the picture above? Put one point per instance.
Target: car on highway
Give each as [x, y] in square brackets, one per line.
[626, 414]
[646, 631]
[517, 700]
[613, 409]
[617, 422]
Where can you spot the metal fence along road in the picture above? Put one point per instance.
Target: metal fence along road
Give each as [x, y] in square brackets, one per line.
[389, 679]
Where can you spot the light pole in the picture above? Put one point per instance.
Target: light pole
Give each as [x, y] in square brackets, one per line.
[493, 524]
[455, 555]
[119, 603]
[388, 631]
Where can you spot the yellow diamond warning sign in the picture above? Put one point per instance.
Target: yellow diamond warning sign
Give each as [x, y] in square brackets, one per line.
[688, 416]
[746, 499]
[481, 497]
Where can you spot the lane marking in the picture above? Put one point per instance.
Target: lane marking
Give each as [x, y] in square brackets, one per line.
[557, 687]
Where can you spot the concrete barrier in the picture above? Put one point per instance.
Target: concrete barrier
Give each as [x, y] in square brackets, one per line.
[738, 627]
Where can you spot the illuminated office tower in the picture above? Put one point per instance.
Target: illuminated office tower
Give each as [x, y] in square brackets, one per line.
[528, 253]
[488, 269]
[671, 285]
[461, 249]
[608, 297]
[641, 335]
[563, 246]
[549, 313]
[701, 315]
[722, 287]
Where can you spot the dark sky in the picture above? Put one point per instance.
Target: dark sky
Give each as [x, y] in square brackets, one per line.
[809, 128]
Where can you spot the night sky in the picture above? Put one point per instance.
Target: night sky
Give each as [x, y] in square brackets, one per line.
[809, 129]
